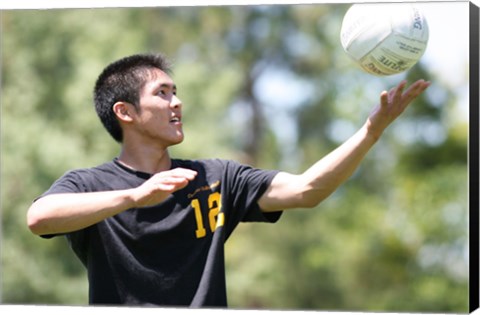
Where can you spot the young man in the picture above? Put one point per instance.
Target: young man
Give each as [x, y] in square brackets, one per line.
[151, 229]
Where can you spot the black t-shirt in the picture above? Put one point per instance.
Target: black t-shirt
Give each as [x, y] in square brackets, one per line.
[172, 253]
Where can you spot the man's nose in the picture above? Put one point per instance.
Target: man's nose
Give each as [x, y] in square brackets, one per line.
[176, 102]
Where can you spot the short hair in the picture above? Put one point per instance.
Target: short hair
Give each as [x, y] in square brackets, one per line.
[122, 81]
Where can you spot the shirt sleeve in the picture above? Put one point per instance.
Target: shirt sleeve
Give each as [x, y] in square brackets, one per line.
[69, 183]
[247, 185]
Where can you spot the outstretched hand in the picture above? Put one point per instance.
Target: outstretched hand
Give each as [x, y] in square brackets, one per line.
[392, 104]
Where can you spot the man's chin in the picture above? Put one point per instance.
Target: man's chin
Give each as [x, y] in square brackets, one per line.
[177, 141]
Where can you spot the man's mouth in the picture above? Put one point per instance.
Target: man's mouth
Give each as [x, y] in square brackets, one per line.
[176, 120]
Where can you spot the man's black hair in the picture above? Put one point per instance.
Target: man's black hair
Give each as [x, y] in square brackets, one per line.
[122, 81]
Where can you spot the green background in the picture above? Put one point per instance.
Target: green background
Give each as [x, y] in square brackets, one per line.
[264, 85]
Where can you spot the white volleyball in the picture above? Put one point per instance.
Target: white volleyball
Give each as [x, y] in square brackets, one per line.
[384, 38]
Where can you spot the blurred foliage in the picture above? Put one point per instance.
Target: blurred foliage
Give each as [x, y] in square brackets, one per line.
[266, 85]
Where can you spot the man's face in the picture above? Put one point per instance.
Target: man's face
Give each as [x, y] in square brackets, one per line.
[160, 115]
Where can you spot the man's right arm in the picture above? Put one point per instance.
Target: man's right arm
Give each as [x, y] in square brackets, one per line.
[68, 212]
[62, 213]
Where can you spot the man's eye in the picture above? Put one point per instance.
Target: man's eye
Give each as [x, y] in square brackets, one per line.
[166, 92]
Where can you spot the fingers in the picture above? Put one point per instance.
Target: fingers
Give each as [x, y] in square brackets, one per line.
[178, 173]
[384, 99]
[173, 179]
[161, 185]
[415, 90]
[398, 97]
[393, 95]
[392, 105]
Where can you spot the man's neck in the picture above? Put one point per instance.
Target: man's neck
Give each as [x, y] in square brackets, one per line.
[147, 160]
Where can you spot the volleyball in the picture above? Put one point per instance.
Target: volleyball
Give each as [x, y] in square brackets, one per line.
[384, 38]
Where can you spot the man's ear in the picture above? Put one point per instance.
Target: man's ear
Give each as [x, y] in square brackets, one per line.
[123, 111]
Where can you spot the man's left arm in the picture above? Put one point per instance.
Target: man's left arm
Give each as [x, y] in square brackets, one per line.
[308, 189]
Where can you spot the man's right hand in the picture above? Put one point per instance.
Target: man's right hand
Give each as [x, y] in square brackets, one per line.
[161, 185]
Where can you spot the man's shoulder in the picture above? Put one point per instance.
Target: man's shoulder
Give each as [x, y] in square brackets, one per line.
[105, 176]
[107, 167]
